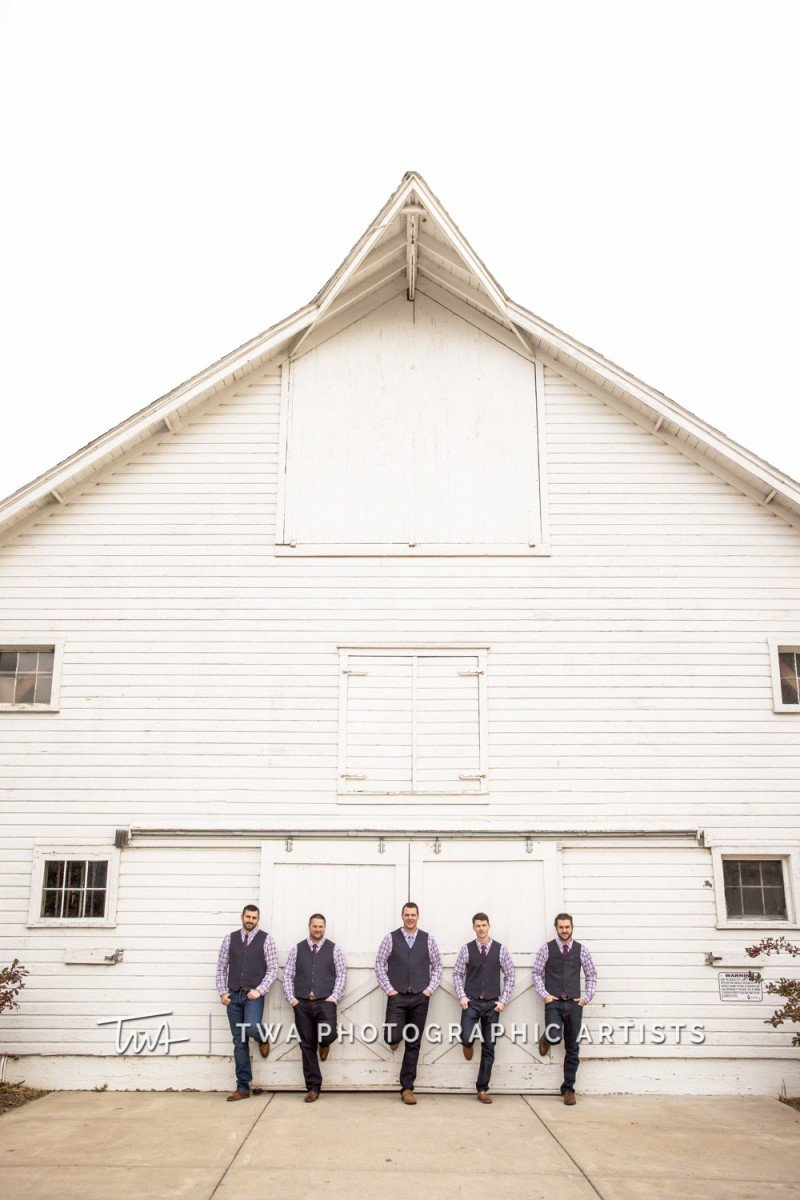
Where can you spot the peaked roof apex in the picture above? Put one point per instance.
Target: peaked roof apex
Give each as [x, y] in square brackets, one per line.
[413, 243]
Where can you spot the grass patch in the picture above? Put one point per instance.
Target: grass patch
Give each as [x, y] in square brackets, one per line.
[792, 1101]
[14, 1095]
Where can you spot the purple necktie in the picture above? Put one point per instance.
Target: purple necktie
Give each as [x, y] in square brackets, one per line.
[483, 952]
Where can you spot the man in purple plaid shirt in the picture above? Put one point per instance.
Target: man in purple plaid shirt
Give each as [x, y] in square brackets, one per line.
[408, 968]
[247, 966]
[557, 979]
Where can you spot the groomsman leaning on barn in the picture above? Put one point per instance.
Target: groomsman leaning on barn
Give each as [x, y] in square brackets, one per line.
[408, 968]
[557, 979]
[247, 965]
[314, 980]
[476, 976]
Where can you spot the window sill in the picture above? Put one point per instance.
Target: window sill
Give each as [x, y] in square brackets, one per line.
[70, 923]
[29, 708]
[770, 923]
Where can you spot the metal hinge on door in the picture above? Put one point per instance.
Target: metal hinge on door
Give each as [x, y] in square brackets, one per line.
[479, 775]
[470, 672]
[350, 775]
[347, 671]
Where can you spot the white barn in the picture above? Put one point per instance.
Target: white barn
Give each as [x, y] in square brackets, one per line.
[411, 595]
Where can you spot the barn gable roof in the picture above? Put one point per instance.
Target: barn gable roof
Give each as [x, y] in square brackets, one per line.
[413, 245]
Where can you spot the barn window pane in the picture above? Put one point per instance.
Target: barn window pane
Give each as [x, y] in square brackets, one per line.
[790, 685]
[26, 686]
[74, 888]
[754, 888]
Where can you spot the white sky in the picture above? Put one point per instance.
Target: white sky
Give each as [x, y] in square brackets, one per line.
[178, 175]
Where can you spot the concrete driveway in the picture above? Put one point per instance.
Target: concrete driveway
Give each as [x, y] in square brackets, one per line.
[162, 1145]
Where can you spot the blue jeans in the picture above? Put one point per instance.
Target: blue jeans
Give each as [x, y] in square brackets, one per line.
[563, 1018]
[242, 1011]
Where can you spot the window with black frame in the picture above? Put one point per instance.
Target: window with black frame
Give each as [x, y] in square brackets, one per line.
[754, 887]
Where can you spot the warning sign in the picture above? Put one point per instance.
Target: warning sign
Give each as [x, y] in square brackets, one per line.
[737, 988]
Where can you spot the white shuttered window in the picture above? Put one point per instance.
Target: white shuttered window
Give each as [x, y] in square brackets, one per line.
[412, 722]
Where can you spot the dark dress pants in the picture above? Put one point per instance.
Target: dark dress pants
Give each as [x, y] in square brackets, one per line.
[483, 1013]
[563, 1018]
[405, 1021]
[308, 1016]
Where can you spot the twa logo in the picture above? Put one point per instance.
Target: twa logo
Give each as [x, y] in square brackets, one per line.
[141, 1041]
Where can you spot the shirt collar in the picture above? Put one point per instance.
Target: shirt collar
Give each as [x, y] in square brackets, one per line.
[312, 943]
[561, 944]
[250, 934]
[408, 935]
[488, 944]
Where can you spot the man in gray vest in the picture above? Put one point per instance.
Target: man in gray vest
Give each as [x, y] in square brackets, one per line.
[314, 980]
[557, 979]
[476, 977]
[408, 968]
[247, 965]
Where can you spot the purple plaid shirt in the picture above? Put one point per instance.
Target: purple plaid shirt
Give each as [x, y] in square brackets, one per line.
[270, 962]
[506, 966]
[589, 972]
[382, 958]
[338, 962]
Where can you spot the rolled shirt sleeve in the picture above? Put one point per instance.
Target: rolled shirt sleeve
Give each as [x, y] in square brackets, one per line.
[340, 965]
[589, 975]
[288, 975]
[381, 961]
[509, 975]
[537, 974]
[223, 958]
[271, 964]
[460, 971]
[435, 960]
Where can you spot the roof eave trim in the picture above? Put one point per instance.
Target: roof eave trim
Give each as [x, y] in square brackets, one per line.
[140, 423]
[737, 455]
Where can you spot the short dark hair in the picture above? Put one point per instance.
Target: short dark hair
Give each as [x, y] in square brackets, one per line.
[317, 917]
[563, 917]
[410, 904]
[251, 908]
[481, 917]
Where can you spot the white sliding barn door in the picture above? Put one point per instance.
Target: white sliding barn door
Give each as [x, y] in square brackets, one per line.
[361, 890]
[361, 886]
[517, 888]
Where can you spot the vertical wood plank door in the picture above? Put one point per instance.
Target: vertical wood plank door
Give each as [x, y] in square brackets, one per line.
[360, 887]
[516, 885]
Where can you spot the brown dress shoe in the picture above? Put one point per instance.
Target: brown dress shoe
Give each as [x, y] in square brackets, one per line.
[324, 1051]
[407, 1096]
[311, 1097]
[263, 1049]
[544, 1046]
[484, 1098]
[393, 1045]
[569, 1097]
[469, 1050]
[237, 1095]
